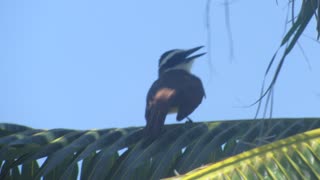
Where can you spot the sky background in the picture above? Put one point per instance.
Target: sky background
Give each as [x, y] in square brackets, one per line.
[89, 64]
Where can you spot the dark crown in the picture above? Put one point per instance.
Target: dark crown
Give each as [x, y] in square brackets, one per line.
[175, 57]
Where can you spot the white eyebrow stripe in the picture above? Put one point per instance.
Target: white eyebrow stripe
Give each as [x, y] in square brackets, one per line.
[184, 66]
[169, 56]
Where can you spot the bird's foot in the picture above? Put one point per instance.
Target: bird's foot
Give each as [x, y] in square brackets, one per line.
[189, 121]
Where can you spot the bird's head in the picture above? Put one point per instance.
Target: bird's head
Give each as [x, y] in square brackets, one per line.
[178, 59]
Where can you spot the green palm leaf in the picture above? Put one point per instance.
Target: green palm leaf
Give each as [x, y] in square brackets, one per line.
[126, 154]
[296, 157]
[309, 8]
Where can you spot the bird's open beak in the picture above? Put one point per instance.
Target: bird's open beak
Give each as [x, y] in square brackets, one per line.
[190, 51]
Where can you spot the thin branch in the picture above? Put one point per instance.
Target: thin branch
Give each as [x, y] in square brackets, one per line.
[305, 56]
[228, 26]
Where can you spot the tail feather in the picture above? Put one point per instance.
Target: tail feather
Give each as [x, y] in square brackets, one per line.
[155, 120]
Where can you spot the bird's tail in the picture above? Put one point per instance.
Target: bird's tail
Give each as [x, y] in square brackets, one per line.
[155, 121]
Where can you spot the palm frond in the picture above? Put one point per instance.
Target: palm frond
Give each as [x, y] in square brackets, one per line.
[309, 8]
[296, 157]
[125, 153]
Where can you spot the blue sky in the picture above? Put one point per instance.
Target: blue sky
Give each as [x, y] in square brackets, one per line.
[89, 64]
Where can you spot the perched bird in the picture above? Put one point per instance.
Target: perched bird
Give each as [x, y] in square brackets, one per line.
[175, 91]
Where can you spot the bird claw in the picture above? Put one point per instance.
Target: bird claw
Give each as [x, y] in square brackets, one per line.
[189, 121]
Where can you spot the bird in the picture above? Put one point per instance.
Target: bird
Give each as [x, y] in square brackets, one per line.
[176, 90]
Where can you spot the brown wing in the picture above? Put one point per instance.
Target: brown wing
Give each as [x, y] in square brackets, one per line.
[159, 101]
[190, 96]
